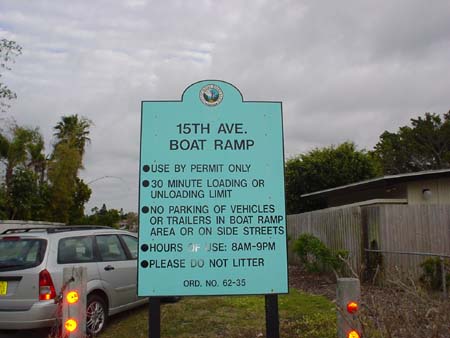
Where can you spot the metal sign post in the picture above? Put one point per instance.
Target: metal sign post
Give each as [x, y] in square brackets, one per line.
[154, 318]
[212, 215]
[272, 320]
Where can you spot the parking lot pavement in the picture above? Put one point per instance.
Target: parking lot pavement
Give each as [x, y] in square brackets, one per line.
[43, 333]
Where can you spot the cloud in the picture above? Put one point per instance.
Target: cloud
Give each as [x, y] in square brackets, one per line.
[344, 71]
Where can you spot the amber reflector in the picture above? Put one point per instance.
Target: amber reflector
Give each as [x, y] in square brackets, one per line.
[353, 334]
[352, 307]
[72, 297]
[71, 325]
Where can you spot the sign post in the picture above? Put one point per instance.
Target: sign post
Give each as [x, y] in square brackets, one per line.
[211, 202]
[74, 302]
[348, 297]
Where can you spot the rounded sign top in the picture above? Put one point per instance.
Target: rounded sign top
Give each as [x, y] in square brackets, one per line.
[212, 93]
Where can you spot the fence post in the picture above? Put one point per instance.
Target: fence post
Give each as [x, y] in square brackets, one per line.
[348, 303]
[74, 302]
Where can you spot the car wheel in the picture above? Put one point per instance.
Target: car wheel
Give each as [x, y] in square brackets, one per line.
[96, 315]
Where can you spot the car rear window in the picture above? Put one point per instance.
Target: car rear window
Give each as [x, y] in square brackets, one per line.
[18, 253]
[75, 250]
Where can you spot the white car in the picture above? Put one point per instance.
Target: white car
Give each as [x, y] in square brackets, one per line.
[31, 272]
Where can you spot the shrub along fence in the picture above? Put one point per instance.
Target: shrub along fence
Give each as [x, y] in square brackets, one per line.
[385, 227]
[338, 228]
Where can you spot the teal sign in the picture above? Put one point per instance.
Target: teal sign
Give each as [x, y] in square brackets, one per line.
[211, 202]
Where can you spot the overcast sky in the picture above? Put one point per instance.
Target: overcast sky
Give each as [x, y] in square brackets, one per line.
[344, 70]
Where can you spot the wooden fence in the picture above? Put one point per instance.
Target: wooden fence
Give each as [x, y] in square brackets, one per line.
[338, 228]
[413, 228]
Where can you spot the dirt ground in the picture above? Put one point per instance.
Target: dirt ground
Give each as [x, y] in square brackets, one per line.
[325, 284]
[317, 284]
[400, 309]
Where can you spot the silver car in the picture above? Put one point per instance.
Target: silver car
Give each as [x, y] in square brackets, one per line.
[31, 273]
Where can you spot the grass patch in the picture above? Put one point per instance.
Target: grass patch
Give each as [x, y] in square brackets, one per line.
[301, 316]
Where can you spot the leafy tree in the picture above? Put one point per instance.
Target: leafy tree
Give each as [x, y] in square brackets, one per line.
[41, 207]
[103, 216]
[23, 194]
[26, 199]
[41, 188]
[37, 159]
[22, 154]
[9, 50]
[81, 196]
[111, 218]
[132, 221]
[25, 147]
[62, 174]
[425, 145]
[324, 168]
[3, 201]
[103, 210]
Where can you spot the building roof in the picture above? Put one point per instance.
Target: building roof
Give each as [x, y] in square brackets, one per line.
[379, 182]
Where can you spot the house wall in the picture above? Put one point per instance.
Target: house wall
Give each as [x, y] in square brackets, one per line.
[439, 188]
[395, 191]
[412, 191]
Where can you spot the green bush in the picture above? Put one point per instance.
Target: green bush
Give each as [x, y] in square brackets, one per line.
[316, 256]
[432, 273]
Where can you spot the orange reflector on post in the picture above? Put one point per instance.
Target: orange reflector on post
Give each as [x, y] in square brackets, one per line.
[353, 334]
[352, 307]
[71, 325]
[72, 297]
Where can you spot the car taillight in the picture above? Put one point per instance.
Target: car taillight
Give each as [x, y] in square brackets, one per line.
[46, 287]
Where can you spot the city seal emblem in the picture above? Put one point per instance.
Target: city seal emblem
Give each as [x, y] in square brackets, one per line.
[211, 95]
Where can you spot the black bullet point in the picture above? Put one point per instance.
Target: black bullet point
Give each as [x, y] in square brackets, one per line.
[145, 210]
[144, 247]
[146, 168]
[144, 264]
[145, 183]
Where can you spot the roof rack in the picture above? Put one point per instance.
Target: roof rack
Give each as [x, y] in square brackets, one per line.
[53, 229]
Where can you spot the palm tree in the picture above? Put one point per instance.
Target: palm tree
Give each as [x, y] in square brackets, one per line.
[72, 135]
[74, 131]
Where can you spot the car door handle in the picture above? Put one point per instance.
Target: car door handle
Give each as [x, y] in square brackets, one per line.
[109, 267]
